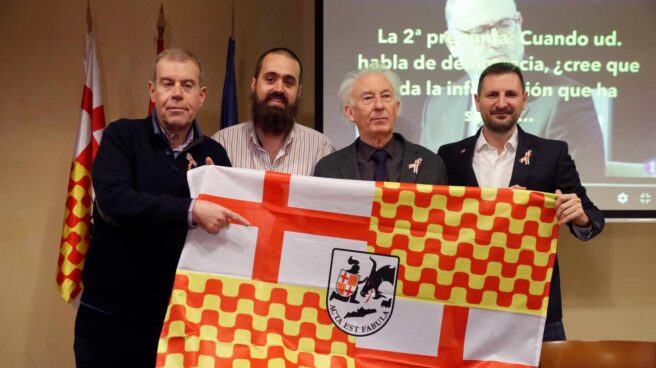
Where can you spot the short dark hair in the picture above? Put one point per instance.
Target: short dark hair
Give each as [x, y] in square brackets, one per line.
[500, 68]
[279, 51]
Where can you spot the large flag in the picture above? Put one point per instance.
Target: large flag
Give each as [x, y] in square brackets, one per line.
[229, 108]
[77, 213]
[344, 273]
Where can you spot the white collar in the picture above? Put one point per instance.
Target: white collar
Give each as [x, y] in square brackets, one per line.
[510, 145]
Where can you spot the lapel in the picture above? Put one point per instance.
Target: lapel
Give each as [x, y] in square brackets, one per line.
[408, 157]
[521, 170]
[349, 165]
[466, 159]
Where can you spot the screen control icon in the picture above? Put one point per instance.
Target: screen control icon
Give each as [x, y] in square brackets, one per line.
[645, 198]
[622, 198]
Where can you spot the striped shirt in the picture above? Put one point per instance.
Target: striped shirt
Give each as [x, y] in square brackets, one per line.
[302, 149]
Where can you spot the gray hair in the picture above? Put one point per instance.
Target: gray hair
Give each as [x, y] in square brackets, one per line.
[180, 55]
[346, 88]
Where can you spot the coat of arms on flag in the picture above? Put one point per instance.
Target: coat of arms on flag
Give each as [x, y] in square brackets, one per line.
[343, 273]
[358, 305]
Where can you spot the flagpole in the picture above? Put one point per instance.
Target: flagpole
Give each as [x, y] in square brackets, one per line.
[229, 107]
[232, 32]
[89, 20]
[161, 25]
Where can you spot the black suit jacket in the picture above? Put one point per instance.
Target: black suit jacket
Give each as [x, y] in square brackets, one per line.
[551, 168]
[343, 164]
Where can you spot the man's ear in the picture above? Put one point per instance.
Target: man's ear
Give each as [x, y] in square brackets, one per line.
[520, 19]
[348, 113]
[300, 88]
[253, 84]
[476, 99]
[451, 44]
[202, 94]
[151, 91]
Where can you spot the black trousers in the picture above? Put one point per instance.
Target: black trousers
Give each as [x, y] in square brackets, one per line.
[554, 331]
[105, 341]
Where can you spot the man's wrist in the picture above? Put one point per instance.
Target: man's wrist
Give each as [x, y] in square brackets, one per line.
[190, 215]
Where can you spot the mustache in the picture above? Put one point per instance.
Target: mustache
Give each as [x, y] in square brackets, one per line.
[505, 110]
[277, 95]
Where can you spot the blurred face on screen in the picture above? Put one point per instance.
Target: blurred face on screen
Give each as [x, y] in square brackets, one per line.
[501, 101]
[483, 32]
[373, 107]
[275, 92]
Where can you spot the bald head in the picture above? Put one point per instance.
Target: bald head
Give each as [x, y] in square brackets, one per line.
[468, 14]
[484, 32]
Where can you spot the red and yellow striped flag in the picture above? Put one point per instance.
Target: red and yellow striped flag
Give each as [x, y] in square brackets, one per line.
[344, 273]
[77, 214]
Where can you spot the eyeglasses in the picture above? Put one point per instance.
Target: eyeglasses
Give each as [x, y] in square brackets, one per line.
[504, 26]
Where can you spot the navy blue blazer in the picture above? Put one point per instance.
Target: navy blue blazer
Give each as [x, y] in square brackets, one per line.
[140, 217]
[551, 168]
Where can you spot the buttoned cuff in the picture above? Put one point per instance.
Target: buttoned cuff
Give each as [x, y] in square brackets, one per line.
[582, 233]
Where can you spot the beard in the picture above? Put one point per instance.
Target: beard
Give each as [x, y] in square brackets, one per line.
[273, 120]
[501, 127]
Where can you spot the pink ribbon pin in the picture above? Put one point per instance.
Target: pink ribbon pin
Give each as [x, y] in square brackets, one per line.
[526, 160]
[415, 165]
[192, 163]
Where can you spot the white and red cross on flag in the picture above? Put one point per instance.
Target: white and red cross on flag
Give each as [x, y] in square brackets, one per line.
[346, 283]
[471, 278]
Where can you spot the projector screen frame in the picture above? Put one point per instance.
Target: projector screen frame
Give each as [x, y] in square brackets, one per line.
[615, 216]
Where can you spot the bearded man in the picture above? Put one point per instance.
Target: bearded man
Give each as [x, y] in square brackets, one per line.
[272, 140]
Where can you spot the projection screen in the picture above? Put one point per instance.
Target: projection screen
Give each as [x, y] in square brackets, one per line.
[588, 67]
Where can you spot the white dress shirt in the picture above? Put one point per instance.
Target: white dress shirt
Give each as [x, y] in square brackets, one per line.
[494, 169]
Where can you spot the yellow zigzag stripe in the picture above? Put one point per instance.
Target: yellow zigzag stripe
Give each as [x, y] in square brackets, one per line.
[263, 290]
[78, 172]
[466, 235]
[78, 192]
[66, 290]
[459, 295]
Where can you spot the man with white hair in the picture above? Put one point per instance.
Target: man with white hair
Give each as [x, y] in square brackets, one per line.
[484, 32]
[370, 99]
